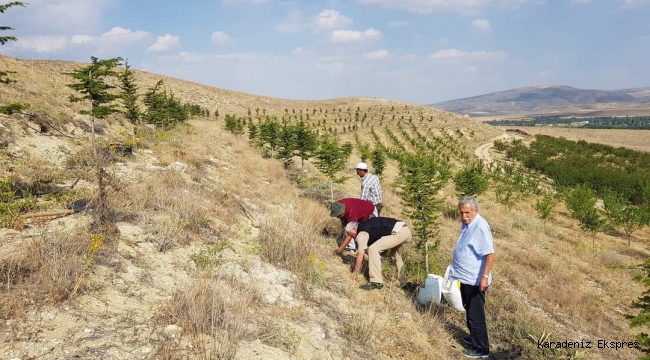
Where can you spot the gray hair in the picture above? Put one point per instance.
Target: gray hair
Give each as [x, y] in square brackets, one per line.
[467, 199]
[351, 225]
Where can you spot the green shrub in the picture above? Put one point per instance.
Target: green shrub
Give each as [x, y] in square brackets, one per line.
[11, 206]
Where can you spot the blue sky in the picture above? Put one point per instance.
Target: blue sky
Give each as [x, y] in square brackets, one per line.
[420, 51]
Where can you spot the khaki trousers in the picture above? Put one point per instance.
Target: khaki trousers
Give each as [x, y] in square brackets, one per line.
[388, 242]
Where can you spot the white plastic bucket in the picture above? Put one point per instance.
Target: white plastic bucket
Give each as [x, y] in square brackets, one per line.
[431, 290]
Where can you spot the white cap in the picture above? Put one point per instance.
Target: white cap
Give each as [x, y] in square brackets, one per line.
[362, 166]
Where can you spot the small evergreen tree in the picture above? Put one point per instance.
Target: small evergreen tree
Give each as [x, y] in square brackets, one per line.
[306, 142]
[642, 318]
[91, 83]
[252, 131]
[421, 177]
[378, 161]
[234, 125]
[471, 180]
[364, 149]
[286, 145]
[331, 158]
[4, 75]
[129, 96]
[270, 134]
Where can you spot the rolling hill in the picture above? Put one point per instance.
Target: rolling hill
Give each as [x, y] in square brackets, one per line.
[558, 100]
[216, 250]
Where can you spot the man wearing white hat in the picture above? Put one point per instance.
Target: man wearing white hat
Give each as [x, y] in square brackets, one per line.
[370, 187]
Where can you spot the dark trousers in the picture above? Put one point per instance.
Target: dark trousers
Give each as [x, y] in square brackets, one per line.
[474, 304]
[379, 207]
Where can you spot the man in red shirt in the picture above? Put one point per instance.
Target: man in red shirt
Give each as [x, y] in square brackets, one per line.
[351, 209]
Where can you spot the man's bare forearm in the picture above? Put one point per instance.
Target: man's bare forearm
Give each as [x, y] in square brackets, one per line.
[345, 243]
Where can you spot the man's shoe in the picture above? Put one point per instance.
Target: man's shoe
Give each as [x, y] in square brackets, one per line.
[467, 340]
[372, 286]
[475, 354]
[351, 249]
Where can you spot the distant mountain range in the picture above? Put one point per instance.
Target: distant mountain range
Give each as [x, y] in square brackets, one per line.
[557, 100]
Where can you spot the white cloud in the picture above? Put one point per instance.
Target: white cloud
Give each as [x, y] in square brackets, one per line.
[117, 37]
[61, 16]
[341, 36]
[221, 38]
[253, 2]
[326, 20]
[482, 25]
[329, 19]
[631, 4]
[581, 1]
[430, 6]
[41, 44]
[165, 43]
[471, 55]
[82, 39]
[376, 55]
[397, 24]
[300, 51]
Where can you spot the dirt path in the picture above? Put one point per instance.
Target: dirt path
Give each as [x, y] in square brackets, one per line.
[483, 151]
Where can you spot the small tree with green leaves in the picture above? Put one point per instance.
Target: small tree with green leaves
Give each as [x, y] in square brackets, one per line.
[331, 158]
[378, 161]
[421, 177]
[286, 144]
[511, 183]
[545, 205]
[270, 134]
[129, 97]
[364, 149]
[91, 83]
[4, 75]
[306, 142]
[642, 318]
[252, 132]
[581, 201]
[620, 213]
[471, 180]
[233, 125]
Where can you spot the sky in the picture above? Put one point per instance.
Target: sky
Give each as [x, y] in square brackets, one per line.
[419, 51]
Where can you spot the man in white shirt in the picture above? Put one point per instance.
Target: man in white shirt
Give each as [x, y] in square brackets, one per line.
[472, 266]
[370, 187]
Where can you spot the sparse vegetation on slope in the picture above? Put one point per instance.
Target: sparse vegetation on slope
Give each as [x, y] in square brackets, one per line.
[221, 252]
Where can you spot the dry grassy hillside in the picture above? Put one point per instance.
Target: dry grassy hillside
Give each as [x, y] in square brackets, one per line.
[218, 252]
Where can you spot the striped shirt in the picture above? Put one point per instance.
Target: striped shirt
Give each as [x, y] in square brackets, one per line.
[371, 189]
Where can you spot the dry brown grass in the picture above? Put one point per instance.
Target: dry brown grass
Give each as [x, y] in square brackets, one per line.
[213, 313]
[54, 267]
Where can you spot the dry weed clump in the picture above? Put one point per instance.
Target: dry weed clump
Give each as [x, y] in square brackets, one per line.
[360, 329]
[54, 267]
[273, 333]
[213, 313]
[284, 244]
[174, 211]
